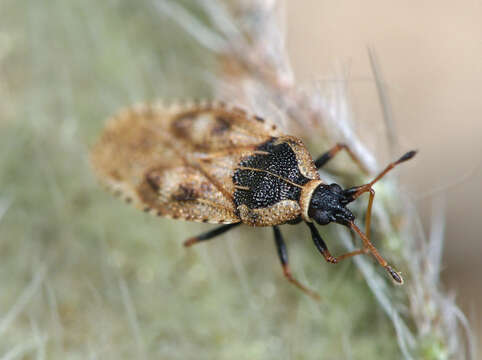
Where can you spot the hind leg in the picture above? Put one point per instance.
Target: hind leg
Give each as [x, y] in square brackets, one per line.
[209, 234]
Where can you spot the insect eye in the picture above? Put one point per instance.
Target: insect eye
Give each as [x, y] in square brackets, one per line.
[336, 188]
[322, 217]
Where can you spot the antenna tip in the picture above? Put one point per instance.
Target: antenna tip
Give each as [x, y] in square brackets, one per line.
[395, 275]
[407, 156]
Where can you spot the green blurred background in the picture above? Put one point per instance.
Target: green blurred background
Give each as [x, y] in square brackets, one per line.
[82, 275]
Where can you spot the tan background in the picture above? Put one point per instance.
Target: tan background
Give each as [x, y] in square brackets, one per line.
[430, 53]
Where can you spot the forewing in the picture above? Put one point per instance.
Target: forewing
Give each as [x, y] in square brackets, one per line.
[178, 161]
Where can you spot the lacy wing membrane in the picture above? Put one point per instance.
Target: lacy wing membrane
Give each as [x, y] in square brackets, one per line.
[178, 161]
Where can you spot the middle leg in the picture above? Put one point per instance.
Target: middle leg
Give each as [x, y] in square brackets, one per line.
[330, 154]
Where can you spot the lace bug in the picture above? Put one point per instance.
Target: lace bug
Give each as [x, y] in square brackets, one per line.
[215, 164]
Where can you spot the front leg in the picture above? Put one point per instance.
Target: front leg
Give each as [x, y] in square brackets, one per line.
[330, 154]
[322, 248]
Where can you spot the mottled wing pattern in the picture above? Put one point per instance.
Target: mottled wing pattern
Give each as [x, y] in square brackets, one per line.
[178, 161]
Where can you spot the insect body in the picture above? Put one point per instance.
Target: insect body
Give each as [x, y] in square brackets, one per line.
[214, 164]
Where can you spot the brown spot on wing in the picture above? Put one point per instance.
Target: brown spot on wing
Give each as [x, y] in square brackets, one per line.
[185, 193]
[153, 178]
[211, 129]
[181, 125]
[221, 126]
[178, 161]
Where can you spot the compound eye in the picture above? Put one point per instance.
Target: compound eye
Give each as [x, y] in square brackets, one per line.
[322, 217]
[336, 188]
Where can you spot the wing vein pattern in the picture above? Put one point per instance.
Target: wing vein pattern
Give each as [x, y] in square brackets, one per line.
[179, 161]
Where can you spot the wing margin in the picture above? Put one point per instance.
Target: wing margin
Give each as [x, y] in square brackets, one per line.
[178, 160]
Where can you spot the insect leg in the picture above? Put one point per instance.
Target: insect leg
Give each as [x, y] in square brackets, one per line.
[324, 158]
[283, 256]
[321, 246]
[210, 234]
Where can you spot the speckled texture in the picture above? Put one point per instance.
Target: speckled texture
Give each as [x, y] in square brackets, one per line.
[178, 161]
[279, 213]
[269, 177]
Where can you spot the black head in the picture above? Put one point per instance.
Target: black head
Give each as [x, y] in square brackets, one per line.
[328, 204]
